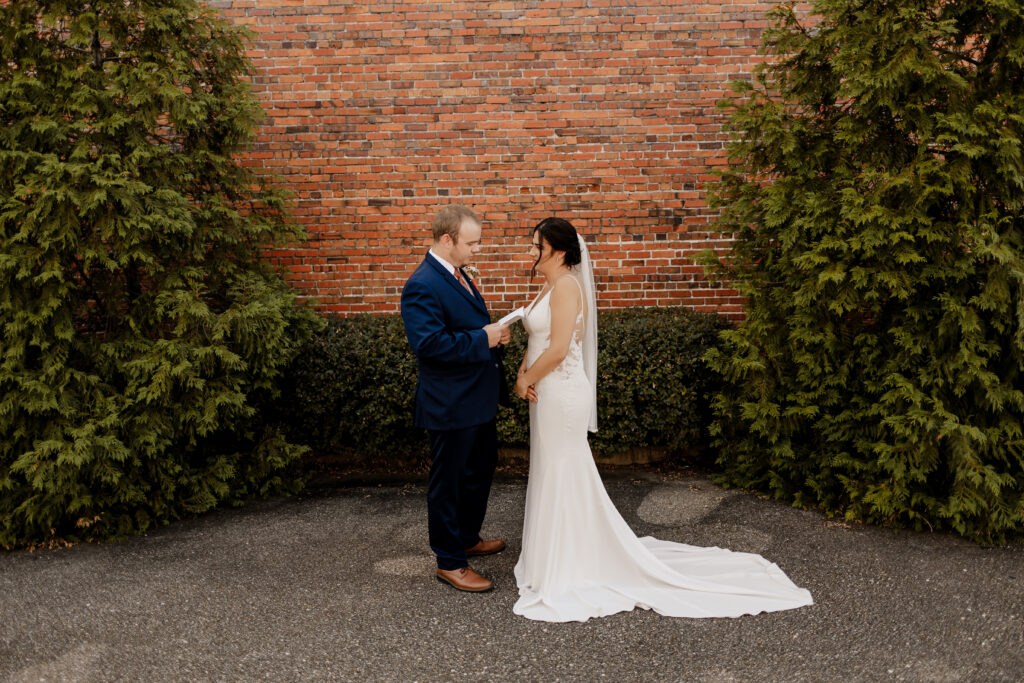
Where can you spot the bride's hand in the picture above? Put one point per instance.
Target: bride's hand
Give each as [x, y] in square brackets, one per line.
[521, 387]
[524, 391]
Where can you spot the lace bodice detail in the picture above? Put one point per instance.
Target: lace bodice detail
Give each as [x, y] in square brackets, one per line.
[538, 325]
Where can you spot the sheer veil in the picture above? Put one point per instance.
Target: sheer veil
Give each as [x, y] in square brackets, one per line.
[585, 272]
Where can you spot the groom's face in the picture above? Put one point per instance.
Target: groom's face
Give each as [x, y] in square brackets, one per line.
[463, 251]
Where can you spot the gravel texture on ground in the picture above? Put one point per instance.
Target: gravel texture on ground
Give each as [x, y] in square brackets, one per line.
[337, 584]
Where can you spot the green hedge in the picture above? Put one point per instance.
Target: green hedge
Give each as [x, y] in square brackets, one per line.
[350, 391]
[142, 332]
[876, 208]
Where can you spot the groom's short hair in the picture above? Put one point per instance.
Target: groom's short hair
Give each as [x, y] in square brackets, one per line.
[449, 219]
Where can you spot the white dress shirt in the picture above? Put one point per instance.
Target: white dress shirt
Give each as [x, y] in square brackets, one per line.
[449, 267]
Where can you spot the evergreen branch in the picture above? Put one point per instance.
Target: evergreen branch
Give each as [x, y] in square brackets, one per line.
[958, 55]
[126, 58]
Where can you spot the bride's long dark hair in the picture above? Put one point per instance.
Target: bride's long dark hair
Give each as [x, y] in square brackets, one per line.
[560, 236]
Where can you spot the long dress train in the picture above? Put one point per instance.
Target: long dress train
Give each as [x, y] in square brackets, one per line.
[579, 558]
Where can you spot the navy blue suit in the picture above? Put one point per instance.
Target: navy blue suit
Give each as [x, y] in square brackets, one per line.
[456, 401]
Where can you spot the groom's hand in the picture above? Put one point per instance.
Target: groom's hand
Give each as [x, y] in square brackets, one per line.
[497, 334]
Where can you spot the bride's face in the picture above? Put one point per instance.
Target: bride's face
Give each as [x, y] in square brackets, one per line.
[536, 250]
[542, 253]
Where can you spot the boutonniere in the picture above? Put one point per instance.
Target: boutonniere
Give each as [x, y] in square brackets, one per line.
[471, 271]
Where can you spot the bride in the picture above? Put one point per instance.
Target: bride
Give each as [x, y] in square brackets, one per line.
[579, 557]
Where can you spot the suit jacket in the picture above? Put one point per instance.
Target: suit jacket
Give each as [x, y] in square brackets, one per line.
[460, 377]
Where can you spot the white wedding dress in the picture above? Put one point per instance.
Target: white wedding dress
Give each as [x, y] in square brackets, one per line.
[579, 557]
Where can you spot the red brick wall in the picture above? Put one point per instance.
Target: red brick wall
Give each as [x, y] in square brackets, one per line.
[600, 111]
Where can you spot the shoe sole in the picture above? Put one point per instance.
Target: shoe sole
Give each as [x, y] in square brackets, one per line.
[479, 554]
[468, 590]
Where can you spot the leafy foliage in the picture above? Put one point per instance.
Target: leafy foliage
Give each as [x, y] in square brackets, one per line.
[876, 205]
[141, 332]
[351, 389]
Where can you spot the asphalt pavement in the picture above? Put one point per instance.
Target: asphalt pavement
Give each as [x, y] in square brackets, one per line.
[337, 585]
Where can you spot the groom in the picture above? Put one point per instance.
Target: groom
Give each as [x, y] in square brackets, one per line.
[460, 375]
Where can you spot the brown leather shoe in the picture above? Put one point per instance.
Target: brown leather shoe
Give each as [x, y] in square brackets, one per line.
[486, 547]
[465, 579]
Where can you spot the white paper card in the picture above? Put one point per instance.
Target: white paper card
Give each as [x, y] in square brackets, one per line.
[512, 317]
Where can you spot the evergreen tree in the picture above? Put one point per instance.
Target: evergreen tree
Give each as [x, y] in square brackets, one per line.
[876, 205]
[141, 333]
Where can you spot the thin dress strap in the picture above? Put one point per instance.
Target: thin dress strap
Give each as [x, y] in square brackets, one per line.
[583, 297]
[583, 303]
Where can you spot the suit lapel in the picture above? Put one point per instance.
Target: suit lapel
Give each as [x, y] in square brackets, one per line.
[473, 297]
[478, 298]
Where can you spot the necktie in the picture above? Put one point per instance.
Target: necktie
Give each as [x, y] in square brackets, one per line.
[462, 281]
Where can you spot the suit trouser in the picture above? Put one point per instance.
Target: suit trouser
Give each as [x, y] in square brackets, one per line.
[461, 471]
